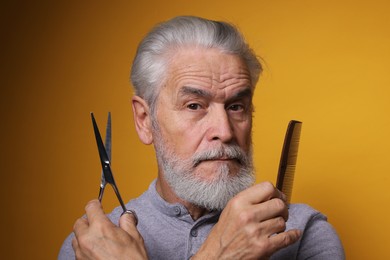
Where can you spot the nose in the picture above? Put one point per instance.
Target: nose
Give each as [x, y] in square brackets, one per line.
[220, 127]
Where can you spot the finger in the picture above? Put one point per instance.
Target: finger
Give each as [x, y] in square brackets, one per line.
[95, 211]
[77, 251]
[128, 222]
[284, 239]
[271, 209]
[272, 226]
[80, 226]
[261, 192]
[76, 248]
[75, 244]
[264, 211]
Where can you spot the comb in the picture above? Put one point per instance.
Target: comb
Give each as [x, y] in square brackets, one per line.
[288, 159]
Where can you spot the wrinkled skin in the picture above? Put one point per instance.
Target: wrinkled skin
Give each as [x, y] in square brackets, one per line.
[96, 237]
[250, 227]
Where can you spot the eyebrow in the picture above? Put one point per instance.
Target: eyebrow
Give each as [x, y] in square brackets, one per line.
[188, 91]
[245, 93]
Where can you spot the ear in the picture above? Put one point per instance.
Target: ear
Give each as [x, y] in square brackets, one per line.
[142, 119]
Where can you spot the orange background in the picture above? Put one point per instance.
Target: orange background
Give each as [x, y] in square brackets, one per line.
[327, 64]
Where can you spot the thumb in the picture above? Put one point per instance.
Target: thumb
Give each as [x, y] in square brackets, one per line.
[128, 221]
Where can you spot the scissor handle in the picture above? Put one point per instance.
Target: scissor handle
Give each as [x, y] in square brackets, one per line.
[132, 212]
[101, 192]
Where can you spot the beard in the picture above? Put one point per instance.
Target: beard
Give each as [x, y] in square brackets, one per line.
[185, 179]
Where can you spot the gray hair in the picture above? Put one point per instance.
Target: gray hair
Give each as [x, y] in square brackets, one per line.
[152, 57]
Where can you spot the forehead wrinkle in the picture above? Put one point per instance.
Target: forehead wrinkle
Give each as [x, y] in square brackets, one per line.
[209, 74]
[234, 73]
[229, 78]
[191, 73]
[235, 80]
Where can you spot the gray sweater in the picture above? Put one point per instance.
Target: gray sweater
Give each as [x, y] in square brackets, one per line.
[170, 233]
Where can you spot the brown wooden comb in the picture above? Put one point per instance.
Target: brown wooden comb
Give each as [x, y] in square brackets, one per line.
[289, 158]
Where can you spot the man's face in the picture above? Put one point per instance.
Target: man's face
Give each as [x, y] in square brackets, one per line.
[204, 118]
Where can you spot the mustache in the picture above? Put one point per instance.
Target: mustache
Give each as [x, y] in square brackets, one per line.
[232, 152]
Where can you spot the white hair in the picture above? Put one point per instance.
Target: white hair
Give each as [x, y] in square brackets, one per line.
[148, 72]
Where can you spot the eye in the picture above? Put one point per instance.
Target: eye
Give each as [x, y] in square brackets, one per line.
[193, 106]
[236, 107]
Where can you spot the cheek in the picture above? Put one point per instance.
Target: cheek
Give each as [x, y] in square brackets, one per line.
[244, 135]
[183, 136]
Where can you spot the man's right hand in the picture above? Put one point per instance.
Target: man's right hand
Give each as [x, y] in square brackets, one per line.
[252, 226]
[96, 237]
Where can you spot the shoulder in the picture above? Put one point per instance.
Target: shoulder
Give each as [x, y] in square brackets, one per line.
[319, 239]
[301, 215]
[66, 251]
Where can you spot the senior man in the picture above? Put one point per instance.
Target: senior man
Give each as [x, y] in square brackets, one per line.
[194, 81]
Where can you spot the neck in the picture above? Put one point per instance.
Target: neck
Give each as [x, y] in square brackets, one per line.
[165, 191]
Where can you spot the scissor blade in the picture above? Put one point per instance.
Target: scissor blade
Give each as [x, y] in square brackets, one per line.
[107, 142]
[102, 153]
[107, 176]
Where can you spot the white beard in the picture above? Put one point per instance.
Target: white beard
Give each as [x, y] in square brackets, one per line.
[211, 194]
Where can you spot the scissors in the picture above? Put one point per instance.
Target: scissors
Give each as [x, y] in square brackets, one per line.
[105, 155]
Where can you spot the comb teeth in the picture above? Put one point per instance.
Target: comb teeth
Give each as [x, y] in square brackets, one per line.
[288, 182]
[288, 159]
